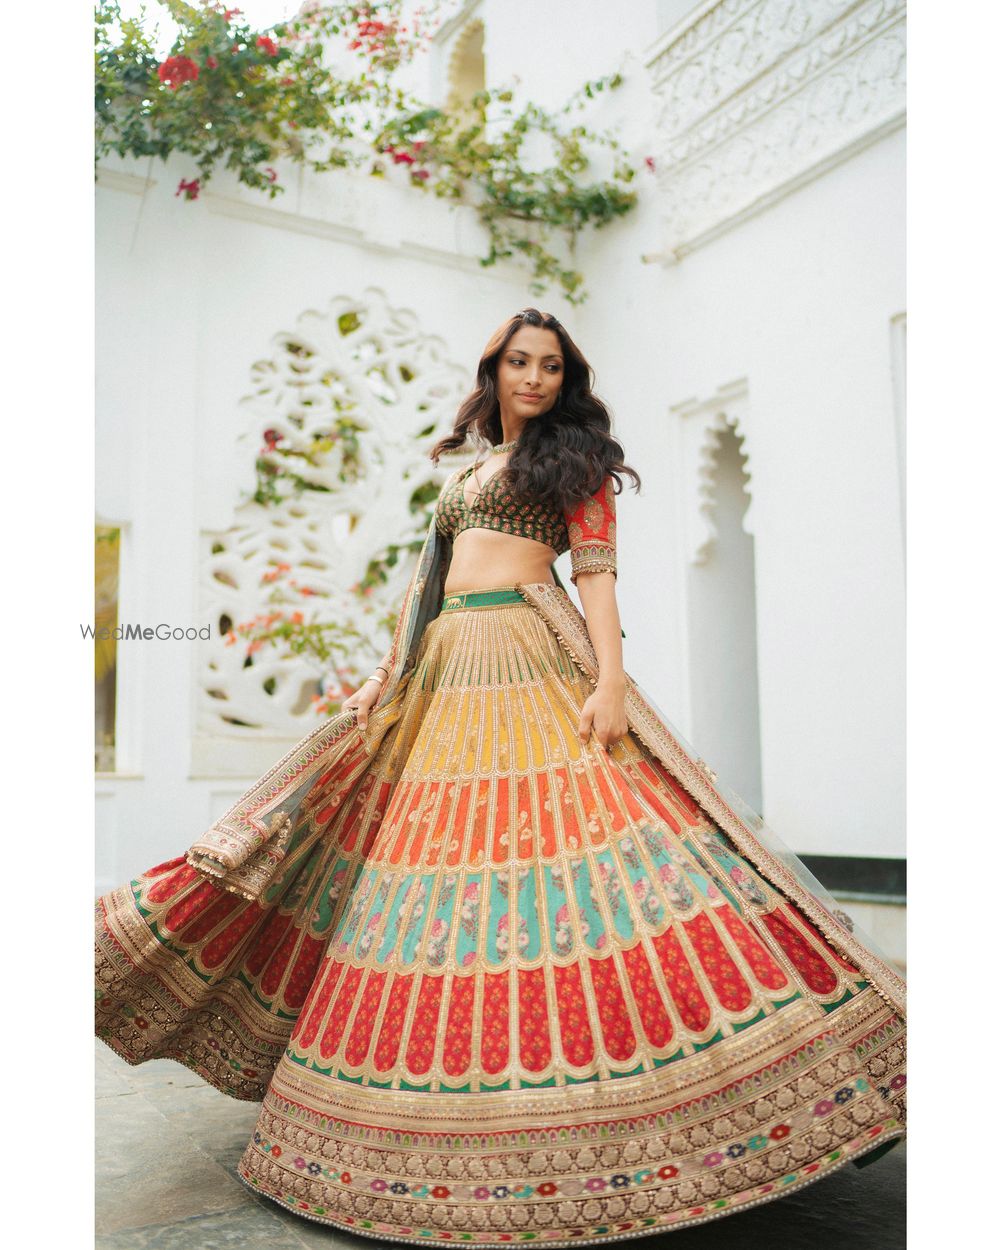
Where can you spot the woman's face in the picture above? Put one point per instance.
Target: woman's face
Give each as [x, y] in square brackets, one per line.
[529, 374]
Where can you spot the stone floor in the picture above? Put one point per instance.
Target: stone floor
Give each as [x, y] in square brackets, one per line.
[168, 1145]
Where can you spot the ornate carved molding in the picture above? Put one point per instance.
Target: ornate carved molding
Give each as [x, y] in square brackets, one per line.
[119, 180]
[699, 424]
[758, 96]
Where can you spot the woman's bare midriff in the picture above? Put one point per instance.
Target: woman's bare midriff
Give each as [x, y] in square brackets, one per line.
[482, 559]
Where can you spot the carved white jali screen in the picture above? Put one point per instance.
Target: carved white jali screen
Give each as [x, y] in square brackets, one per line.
[350, 400]
[757, 96]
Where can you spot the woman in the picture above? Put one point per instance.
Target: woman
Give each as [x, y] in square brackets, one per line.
[502, 960]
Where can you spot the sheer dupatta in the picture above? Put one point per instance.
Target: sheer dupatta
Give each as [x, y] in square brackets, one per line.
[244, 849]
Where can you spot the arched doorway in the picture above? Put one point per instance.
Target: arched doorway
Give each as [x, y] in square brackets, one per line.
[722, 626]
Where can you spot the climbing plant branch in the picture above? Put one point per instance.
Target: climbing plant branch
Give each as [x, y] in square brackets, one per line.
[242, 99]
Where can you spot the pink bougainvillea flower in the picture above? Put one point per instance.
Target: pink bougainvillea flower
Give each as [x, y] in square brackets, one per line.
[211, 63]
[421, 173]
[177, 70]
[272, 174]
[189, 189]
[650, 164]
[403, 158]
[267, 45]
[231, 13]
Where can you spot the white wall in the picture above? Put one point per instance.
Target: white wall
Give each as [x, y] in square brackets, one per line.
[795, 298]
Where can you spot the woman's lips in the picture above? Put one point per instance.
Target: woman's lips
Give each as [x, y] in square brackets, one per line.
[532, 399]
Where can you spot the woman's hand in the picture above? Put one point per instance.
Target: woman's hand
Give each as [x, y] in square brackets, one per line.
[604, 710]
[364, 699]
[604, 713]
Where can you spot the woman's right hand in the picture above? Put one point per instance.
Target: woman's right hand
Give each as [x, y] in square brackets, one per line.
[364, 699]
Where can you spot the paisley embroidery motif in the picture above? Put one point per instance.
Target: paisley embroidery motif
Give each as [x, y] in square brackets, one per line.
[495, 508]
[592, 533]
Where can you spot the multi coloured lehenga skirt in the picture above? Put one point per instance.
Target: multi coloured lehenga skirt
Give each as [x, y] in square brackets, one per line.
[522, 989]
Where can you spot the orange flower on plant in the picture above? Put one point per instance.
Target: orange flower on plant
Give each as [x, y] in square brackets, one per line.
[273, 574]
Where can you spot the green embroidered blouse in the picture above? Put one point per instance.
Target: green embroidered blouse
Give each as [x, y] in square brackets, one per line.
[587, 531]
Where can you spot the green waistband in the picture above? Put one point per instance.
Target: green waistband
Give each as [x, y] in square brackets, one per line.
[481, 598]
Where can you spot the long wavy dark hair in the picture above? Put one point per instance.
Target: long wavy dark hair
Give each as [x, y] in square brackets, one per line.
[563, 455]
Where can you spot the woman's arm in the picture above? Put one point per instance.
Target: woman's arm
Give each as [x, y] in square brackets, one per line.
[592, 529]
[604, 710]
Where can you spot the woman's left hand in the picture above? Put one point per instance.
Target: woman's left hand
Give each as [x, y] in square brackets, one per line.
[604, 714]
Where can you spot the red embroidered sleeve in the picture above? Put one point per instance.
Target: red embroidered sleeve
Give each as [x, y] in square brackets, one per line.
[591, 528]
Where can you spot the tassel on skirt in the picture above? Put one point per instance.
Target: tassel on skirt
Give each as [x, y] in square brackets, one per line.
[523, 988]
